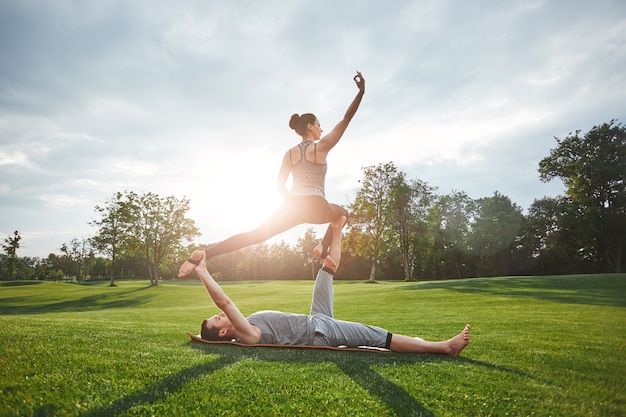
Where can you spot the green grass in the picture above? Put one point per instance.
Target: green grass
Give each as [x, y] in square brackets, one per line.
[540, 346]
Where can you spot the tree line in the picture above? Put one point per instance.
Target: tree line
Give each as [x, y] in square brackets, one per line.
[399, 228]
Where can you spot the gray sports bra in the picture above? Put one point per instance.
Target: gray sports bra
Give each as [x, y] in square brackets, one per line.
[308, 177]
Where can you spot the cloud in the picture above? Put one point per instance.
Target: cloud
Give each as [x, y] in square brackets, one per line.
[192, 99]
[13, 158]
[63, 200]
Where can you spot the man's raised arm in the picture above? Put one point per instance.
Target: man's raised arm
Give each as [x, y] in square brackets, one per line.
[246, 332]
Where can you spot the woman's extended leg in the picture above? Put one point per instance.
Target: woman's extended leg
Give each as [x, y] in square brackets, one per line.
[282, 220]
[293, 212]
[335, 212]
[268, 229]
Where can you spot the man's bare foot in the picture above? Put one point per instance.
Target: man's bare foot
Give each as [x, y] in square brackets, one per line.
[329, 263]
[191, 264]
[460, 341]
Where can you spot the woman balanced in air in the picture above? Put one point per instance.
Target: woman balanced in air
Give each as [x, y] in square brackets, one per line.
[306, 201]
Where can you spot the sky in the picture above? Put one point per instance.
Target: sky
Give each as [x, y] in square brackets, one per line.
[192, 99]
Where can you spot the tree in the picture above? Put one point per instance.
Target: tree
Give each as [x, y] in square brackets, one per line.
[401, 215]
[10, 246]
[159, 225]
[455, 212]
[286, 263]
[305, 246]
[495, 234]
[77, 254]
[408, 209]
[551, 237]
[593, 169]
[114, 227]
[369, 217]
[52, 268]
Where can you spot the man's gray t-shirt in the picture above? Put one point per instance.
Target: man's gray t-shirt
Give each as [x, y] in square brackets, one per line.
[280, 328]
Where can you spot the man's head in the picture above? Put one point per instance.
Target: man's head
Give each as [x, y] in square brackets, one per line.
[217, 328]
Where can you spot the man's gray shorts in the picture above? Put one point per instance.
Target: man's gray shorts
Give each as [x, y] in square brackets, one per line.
[332, 332]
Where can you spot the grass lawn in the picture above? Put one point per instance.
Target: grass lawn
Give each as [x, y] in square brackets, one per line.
[540, 346]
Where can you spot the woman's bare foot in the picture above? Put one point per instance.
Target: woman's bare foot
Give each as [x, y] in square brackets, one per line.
[191, 264]
[330, 264]
[460, 341]
[317, 251]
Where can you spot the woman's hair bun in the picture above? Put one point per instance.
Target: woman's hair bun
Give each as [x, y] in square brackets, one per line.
[300, 123]
[294, 121]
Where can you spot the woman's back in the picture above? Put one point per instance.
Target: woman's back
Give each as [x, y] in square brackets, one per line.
[308, 175]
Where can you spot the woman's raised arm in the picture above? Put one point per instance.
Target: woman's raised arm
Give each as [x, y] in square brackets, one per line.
[331, 139]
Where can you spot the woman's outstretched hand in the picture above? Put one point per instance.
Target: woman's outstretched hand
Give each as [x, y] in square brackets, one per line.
[360, 81]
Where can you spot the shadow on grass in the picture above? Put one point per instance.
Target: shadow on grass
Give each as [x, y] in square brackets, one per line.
[358, 366]
[162, 388]
[21, 306]
[19, 283]
[600, 290]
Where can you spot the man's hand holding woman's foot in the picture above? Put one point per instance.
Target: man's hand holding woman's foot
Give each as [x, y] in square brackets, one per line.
[190, 265]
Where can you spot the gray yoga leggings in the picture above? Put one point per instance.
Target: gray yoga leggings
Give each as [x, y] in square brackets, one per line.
[295, 210]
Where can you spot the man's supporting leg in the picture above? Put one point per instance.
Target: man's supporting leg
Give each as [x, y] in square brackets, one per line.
[323, 293]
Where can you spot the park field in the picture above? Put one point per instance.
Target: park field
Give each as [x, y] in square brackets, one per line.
[541, 346]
